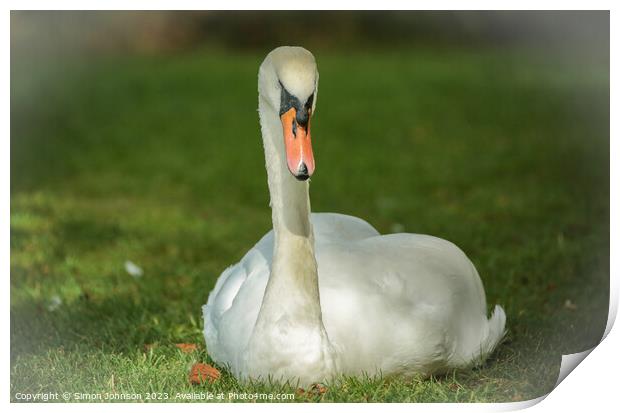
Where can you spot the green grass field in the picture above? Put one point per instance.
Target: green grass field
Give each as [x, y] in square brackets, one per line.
[158, 160]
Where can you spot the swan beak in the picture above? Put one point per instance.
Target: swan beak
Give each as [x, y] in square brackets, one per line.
[298, 145]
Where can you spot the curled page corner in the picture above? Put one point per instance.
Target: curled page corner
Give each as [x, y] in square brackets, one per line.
[522, 405]
[569, 362]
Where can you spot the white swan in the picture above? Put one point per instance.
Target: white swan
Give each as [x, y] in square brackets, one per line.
[394, 304]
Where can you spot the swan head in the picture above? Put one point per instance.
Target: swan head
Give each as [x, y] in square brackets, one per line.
[287, 82]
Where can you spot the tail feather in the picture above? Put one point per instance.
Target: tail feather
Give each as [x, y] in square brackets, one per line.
[497, 330]
[491, 334]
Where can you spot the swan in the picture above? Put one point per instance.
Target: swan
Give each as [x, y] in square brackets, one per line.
[324, 294]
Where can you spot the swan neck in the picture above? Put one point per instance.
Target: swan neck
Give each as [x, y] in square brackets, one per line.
[289, 198]
[289, 325]
[293, 269]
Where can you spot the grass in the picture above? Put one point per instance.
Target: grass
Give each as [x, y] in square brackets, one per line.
[158, 160]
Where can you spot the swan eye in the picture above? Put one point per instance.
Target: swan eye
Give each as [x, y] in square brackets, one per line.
[309, 102]
[287, 100]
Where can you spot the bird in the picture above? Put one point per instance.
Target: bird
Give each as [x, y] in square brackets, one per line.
[324, 295]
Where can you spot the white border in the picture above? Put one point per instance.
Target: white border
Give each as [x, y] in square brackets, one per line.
[314, 5]
[591, 385]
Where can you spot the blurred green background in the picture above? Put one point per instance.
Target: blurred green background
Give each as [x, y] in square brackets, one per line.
[489, 129]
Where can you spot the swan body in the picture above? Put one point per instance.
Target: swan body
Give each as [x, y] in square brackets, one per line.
[325, 294]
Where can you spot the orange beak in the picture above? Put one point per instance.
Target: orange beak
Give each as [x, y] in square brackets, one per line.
[299, 157]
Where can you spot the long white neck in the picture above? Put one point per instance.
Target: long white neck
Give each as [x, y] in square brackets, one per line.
[289, 340]
[294, 271]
